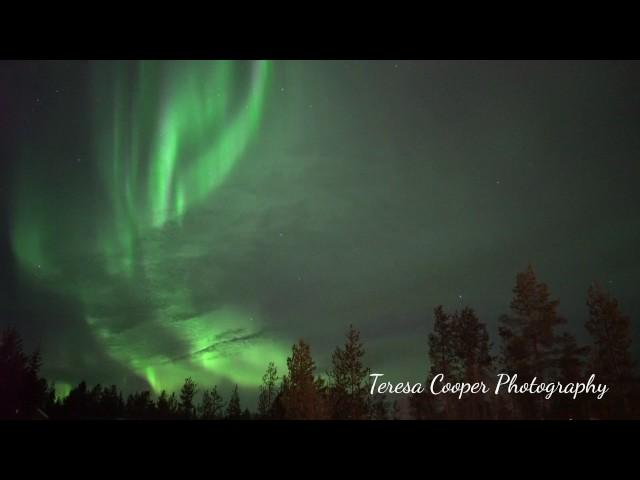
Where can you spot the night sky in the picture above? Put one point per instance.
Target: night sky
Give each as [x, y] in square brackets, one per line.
[170, 219]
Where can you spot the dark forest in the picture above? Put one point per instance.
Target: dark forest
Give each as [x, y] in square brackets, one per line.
[532, 342]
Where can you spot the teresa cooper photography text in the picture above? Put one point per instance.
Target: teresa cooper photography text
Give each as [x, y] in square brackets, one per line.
[505, 383]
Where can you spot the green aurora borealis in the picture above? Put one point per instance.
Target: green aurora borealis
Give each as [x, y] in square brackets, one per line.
[166, 135]
[165, 219]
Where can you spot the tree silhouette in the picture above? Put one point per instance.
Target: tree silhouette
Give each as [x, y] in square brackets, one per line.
[187, 394]
[22, 391]
[140, 405]
[211, 405]
[51, 405]
[234, 412]
[570, 363]
[268, 391]
[111, 404]
[474, 362]
[378, 407]
[301, 392]
[94, 396]
[611, 358]
[459, 347]
[443, 358]
[76, 404]
[173, 406]
[162, 406]
[528, 337]
[349, 380]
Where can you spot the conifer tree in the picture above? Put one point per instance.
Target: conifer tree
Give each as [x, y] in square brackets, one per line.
[349, 379]
[528, 337]
[443, 360]
[140, 405]
[611, 357]
[174, 405]
[162, 406]
[110, 406]
[234, 411]
[473, 361]
[268, 391]
[187, 394]
[76, 404]
[301, 392]
[211, 405]
[378, 407]
[571, 360]
[22, 391]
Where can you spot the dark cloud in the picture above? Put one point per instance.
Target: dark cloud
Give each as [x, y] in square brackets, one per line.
[229, 341]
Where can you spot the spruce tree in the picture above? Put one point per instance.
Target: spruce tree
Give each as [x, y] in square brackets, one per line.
[611, 357]
[268, 391]
[22, 391]
[302, 393]
[211, 405]
[571, 360]
[234, 411]
[529, 338]
[443, 360]
[163, 410]
[187, 394]
[349, 379]
[473, 361]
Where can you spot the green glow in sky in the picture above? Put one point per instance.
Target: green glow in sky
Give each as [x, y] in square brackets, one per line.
[165, 136]
[62, 390]
[169, 140]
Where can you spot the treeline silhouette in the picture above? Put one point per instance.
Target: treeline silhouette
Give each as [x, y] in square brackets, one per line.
[533, 343]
